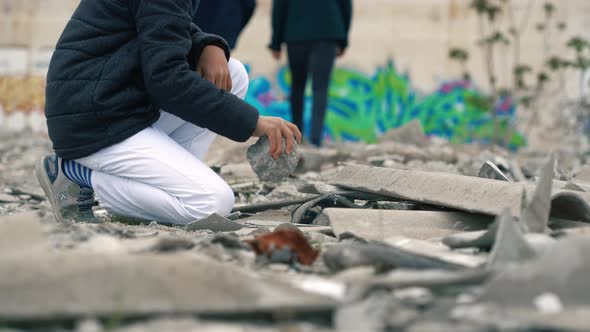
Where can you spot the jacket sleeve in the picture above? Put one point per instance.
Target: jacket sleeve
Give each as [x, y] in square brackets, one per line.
[279, 21]
[164, 32]
[201, 39]
[248, 10]
[346, 9]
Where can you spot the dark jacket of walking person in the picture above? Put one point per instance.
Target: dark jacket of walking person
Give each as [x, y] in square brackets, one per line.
[315, 31]
[226, 18]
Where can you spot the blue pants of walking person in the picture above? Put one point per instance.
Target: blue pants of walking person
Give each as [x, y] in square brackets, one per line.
[317, 58]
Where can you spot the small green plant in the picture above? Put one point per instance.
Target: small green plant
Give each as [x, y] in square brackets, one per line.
[499, 27]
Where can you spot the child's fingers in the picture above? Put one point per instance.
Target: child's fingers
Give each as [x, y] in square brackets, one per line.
[229, 83]
[295, 131]
[272, 137]
[279, 145]
[288, 134]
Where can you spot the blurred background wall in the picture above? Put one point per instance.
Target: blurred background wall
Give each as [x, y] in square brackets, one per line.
[416, 34]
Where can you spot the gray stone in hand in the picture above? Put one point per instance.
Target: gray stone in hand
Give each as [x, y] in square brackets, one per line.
[266, 167]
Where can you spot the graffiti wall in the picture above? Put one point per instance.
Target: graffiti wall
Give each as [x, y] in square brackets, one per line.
[361, 107]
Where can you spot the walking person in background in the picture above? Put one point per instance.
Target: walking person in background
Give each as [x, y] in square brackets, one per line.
[315, 31]
[225, 18]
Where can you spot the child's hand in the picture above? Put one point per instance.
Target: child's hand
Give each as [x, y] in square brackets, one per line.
[276, 129]
[213, 67]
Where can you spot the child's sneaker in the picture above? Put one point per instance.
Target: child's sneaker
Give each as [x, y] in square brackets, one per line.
[69, 201]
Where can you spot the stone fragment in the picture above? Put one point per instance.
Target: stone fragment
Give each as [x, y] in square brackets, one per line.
[510, 246]
[171, 244]
[415, 296]
[535, 212]
[429, 279]
[490, 171]
[573, 186]
[266, 167]
[214, 223]
[5, 198]
[584, 174]
[563, 271]
[445, 326]
[436, 251]
[379, 225]
[284, 246]
[379, 312]
[410, 133]
[465, 193]
[344, 256]
[59, 287]
[483, 240]
[229, 241]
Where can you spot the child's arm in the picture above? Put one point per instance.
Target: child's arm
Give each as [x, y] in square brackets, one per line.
[202, 39]
[167, 36]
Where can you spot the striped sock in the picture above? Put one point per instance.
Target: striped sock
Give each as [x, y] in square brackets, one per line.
[77, 173]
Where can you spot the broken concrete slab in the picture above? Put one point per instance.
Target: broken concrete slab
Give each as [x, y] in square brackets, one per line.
[563, 270]
[267, 168]
[344, 256]
[465, 193]
[535, 212]
[428, 279]
[410, 133]
[139, 286]
[437, 251]
[379, 225]
[21, 233]
[510, 246]
[214, 223]
[490, 171]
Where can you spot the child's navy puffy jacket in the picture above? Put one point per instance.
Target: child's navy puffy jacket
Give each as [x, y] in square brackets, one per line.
[118, 62]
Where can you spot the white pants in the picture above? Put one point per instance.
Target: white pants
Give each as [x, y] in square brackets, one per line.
[158, 174]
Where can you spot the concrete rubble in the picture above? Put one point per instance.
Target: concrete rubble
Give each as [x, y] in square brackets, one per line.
[408, 234]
